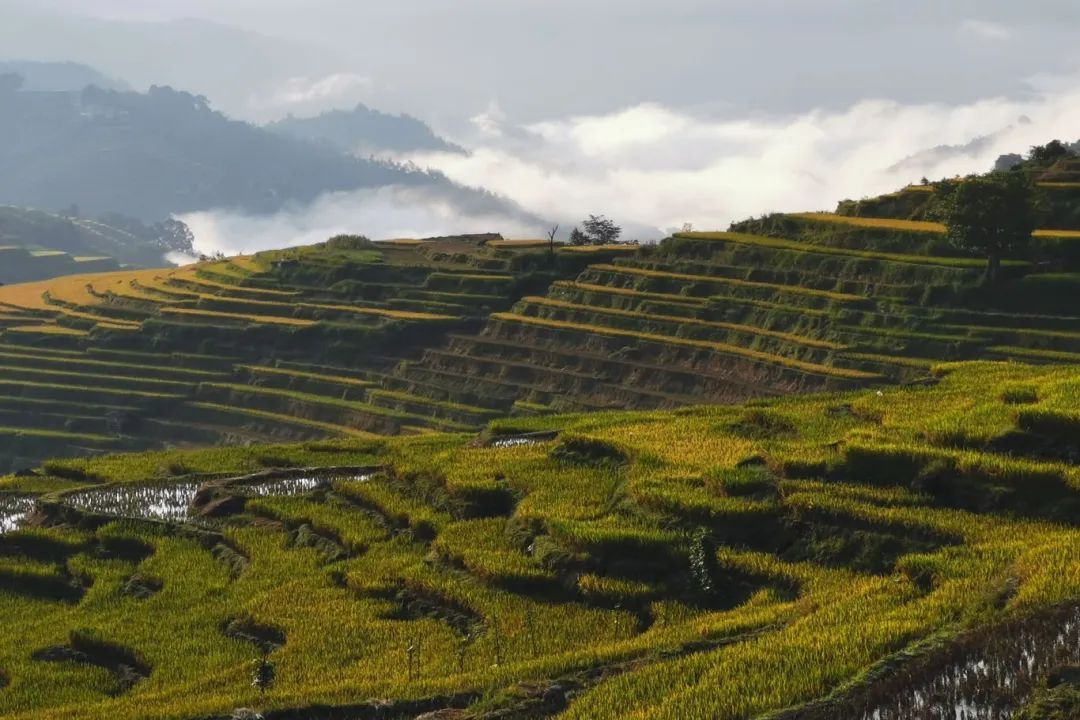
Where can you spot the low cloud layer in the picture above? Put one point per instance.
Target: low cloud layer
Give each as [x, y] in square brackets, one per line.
[653, 169]
[656, 167]
[390, 212]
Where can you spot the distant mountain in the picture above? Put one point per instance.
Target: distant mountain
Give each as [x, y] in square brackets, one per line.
[58, 76]
[246, 73]
[928, 161]
[363, 131]
[166, 152]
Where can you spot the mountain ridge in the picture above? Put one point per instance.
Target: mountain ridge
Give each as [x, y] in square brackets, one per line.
[365, 131]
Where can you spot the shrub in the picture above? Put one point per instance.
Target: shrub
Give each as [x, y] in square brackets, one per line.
[350, 242]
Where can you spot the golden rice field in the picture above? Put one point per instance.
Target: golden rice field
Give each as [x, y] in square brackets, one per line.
[665, 339]
[404, 481]
[735, 282]
[414, 338]
[917, 226]
[248, 263]
[644, 316]
[378, 312]
[835, 556]
[537, 243]
[240, 290]
[46, 329]
[219, 318]
[876, 223]
[215, 315]
[1066, 234]
[1059, 185]
[589, 249]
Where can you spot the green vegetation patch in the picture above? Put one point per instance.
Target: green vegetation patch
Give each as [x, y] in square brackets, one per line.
[796, 554]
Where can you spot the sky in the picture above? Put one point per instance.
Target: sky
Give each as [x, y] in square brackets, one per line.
[656, 113]
[443, 59]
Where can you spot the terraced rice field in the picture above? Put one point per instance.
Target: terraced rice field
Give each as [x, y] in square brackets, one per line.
[911, 225]
[903, 553]
[722, 317]
[414, 337]
[235, 351]
[878, 223]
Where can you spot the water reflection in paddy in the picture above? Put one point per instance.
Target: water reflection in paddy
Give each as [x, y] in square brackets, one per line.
[508, 441]
[13, 511]
[992, 681]
[172, 501]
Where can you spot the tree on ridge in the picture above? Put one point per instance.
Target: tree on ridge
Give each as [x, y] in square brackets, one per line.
[991, 214]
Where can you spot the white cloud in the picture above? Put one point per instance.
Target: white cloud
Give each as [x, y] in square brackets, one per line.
[985, 30]
[491, 120]
[653, 168]
[180, 258]
[388, 212]
[657, 167]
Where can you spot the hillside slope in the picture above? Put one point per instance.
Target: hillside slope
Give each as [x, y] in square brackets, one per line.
[283, 345]
[1057, 196]
[415, 336]
[722, 317]
[908, 553]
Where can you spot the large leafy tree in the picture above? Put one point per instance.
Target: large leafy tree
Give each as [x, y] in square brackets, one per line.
[1050, 153]
[598, 231]
[991, 214]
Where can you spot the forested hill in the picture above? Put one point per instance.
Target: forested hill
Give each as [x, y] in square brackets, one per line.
[165, 152]
[365, 131]
[58, 76]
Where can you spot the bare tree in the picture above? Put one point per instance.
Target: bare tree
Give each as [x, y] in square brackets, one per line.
[551, 239]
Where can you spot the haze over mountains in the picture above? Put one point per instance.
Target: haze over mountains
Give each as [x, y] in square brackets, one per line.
[68, 143]
[365, 131]
[655, 138]
[165, 152]
[43, 76]
[555, 59]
